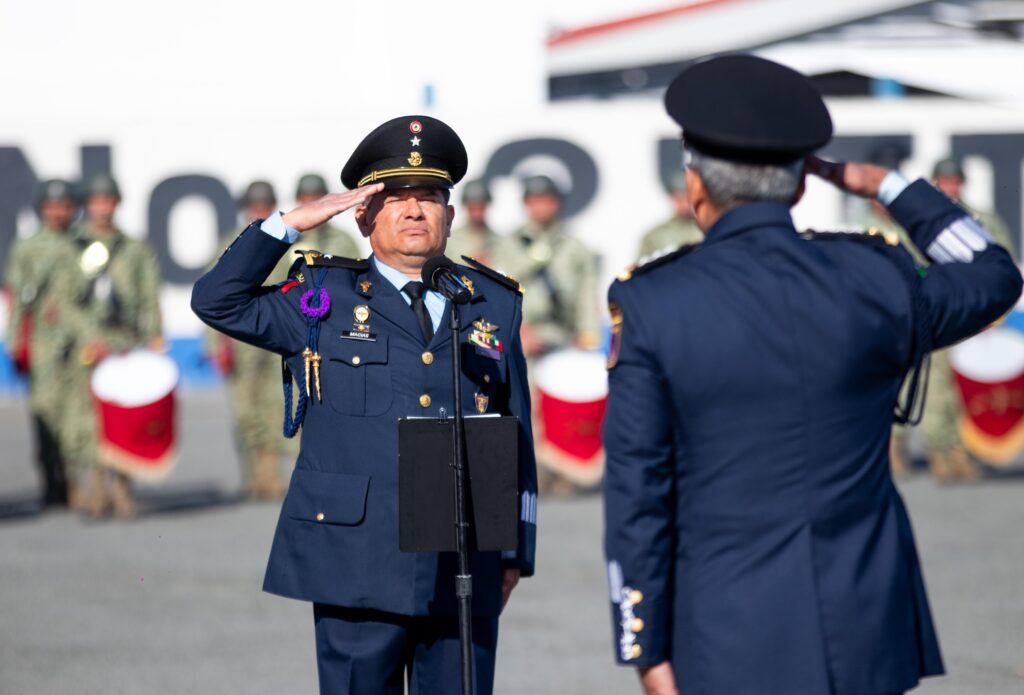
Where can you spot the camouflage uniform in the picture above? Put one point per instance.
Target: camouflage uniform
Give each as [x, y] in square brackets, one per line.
[669, 235]
[40, 275]
[118, 306]
[254, 383]
[558, 275]
[473, 241]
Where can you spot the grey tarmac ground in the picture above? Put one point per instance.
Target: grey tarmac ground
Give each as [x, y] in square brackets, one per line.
[171, 603]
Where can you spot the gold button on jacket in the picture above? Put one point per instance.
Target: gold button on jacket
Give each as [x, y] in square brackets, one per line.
[425, 400]
[428, 358]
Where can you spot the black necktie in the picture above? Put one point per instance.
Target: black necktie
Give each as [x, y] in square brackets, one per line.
[415, 291]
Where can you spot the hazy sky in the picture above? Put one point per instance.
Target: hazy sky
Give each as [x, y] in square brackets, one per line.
[125, 59]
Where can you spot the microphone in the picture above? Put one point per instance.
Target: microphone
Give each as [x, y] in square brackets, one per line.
[439, 275]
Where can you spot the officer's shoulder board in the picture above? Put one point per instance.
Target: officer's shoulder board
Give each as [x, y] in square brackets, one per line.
[316, 259]
[655, 260]
[872, 235]
[492, 274]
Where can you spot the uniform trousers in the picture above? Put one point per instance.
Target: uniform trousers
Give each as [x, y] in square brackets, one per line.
[367, 652]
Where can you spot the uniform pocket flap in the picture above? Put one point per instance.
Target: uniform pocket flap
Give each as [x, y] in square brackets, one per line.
[327, 498]
[359, 352]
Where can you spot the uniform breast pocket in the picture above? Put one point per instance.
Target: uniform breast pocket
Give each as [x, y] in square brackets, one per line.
[357, 377]
[483, 385]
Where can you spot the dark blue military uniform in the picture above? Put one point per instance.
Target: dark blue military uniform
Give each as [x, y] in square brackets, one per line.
[754, 535]
[337, 538]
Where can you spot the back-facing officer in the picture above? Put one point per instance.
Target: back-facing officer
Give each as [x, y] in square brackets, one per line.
[370, 340]
[755, 540]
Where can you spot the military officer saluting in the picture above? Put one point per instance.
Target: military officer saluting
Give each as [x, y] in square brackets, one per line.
[363, 339]
[755, 540]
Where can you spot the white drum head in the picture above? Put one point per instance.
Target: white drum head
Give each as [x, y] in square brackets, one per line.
[135, 378]
[574, 376]
[993, 357]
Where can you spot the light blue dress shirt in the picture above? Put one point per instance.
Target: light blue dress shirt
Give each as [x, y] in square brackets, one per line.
[434, 301]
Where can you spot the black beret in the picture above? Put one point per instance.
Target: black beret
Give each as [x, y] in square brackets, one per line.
[748, 109]
[408, 152]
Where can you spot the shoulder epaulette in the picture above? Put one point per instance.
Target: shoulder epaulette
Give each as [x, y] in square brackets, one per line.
[654, 260]
[493, 274]
[872, 235]
[315, 259]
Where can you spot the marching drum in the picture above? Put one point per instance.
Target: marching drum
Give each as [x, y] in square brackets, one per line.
[572, 395]
[134, 395]
[989, 372]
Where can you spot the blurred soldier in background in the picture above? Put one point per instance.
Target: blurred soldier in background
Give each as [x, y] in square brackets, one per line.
[254, 378]
[947, 458]
[948, 176]
[678, 230]
[475, 238]
[557, 272]
[558, 275]
[39, 277]
[117, 305]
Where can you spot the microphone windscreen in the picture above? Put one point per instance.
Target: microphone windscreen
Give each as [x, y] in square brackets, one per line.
[431, 267]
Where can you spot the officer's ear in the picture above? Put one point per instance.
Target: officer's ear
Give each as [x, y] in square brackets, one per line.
[366, 213]
[361, 221]
[801, 187]
[700, 203]
[451, 218]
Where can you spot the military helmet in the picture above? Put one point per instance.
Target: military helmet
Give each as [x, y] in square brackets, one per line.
[540, 185]
[948, 167]
[258, 192]
[475, 191]
[311, 184]
[55, 189]
[102, 184]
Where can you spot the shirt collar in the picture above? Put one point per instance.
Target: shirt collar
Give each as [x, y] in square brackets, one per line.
[750, 216]
[400, 279]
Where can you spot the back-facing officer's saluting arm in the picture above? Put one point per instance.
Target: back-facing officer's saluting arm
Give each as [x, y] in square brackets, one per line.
[972, 280]
[232, 298]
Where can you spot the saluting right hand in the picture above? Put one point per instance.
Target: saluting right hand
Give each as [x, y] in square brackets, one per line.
[312, 215]
[857, 178]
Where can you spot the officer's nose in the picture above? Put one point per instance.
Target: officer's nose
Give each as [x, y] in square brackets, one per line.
[412, 210]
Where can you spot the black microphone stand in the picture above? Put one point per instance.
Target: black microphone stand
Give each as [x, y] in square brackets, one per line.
[463, 580]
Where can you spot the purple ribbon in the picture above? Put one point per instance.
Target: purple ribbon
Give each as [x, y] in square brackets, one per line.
[322, 307]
